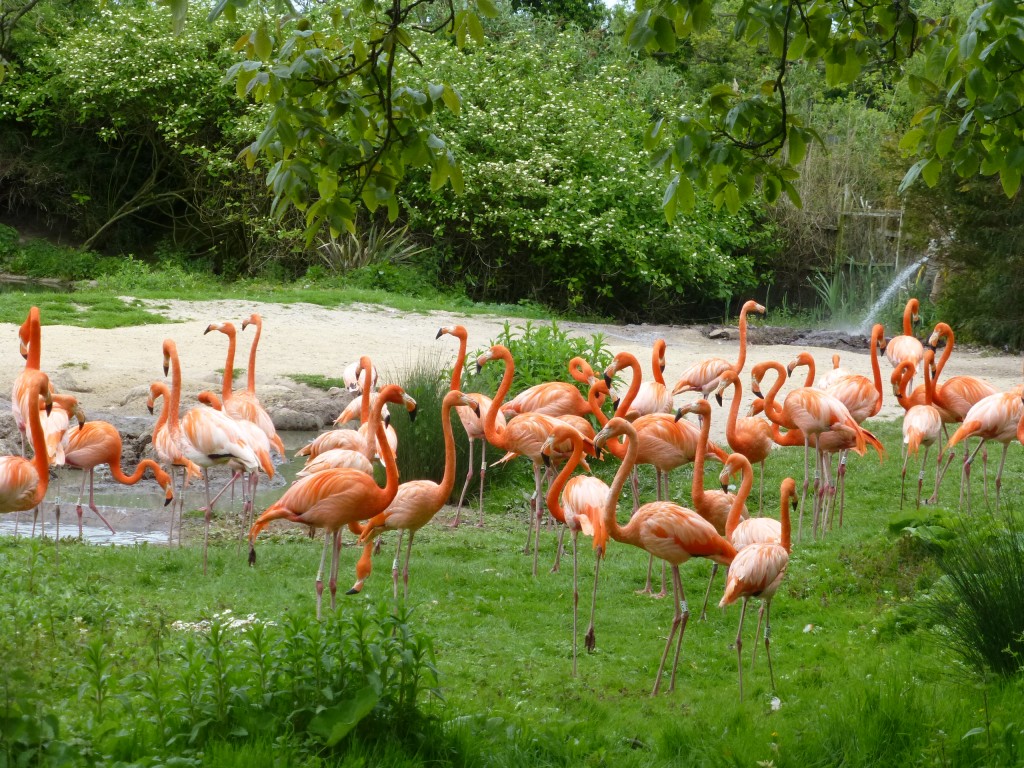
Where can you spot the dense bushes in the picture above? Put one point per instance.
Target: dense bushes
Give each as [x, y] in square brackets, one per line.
[560, 205]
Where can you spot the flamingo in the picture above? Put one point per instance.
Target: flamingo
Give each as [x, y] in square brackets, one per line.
[550, 398]
[471, 420]
[992, 418]
[749, 436]
[336, 458]
[350, 376]
[523, 435]
[338, 497]
[204, 436]
[23, 483]
[907, 346]
[653, 396]
[813, 412]
[667, 531]
[417, 501]
[830, 377]
[256, 439]
[922, 425]
[753, 530]
[98, 442]
[757, 571]
[22, 392]
[698, 375]
[166, 449]
[714, 506]
[581, 509]
[244, 404]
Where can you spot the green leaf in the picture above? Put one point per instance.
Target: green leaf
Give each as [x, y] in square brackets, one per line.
[910, 176]
[1010, 179]
[455, 176]
[944, 141]
[476, 29]
[487, 8]
[797, 146]
[452, 100]
[930, 172]
[792, 194]
[665, 34]
[438, 176]
[261, 44]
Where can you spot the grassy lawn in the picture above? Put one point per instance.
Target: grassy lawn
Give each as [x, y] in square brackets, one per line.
[862, 677]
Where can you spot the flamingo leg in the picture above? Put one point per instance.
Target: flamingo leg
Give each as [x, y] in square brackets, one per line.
[999, 473]
[650, 568]
[537, 517]
[483, 474]
[92, 504]
[767, 608]
[320, 577]
[757, 632]
[575, 600]
[841, 482]
[78, 504]
[634, 484]
[966, 477]
[684, 613]
[739, 645]
[590, 640]
[707, 594]
[534, 507]
[206, 516]
[558, 552]
[938, 476]
[56, 537]
[903, 477]
[405, 571]
[803, 493]
[465, 485]
[332, 583]
[394, 565]
[920, 476]
[760, 491]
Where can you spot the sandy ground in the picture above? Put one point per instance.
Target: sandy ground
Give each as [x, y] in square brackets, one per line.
[110, 370]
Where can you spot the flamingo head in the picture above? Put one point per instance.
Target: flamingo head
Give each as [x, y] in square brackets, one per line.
[253, 319]
[228, 329]
[702, 408]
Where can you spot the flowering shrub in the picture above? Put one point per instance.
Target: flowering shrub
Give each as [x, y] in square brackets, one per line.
[560, 203]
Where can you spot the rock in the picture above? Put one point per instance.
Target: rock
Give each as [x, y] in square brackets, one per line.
[291, 419]
[727, 334]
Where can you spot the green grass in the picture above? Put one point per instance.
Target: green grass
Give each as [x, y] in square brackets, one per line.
[868, 684]
[87, 309]
[317, 381]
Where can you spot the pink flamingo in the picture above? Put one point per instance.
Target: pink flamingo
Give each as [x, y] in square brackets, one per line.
[668, 531]
[699, 375]
[907, 346]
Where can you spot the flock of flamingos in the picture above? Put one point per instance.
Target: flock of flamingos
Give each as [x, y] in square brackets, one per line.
[550, 424]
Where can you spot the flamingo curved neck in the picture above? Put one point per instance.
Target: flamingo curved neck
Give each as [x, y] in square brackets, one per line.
[229, 368]
[731, 435]
[39, 460]
[740, 500]
[786, 526]
[634, 385]
[447, 484]
[625, 468]
[656, 365]
[908, 313]
[251, 373]
[946, 351]
[555, 491]
[741, 361]
[495, 436]
[460, 361]
[697, 489]
[772, 409]
[876, 372]
[35, 342]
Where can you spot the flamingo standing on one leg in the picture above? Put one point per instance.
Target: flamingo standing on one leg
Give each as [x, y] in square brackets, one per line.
[581, 509]
[204, 436]
[417, 501]
[471, 422]
[757, 571]
[699, 375]
[665, 530]
[335, 498]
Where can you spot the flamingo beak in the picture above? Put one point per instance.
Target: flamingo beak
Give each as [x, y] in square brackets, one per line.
[440, 333]
[252, 555]
[24, 349]
[680, 414]
[718, 397]
[546, 459]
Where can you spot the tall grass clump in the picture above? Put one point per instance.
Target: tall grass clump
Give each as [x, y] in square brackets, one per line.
[976, 605]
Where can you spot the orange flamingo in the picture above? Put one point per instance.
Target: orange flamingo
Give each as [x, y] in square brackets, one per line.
[98, 442]
[757, 571]
[992, 418]
[581, 509]
[471, 421]
[166, 449]
[750, 435]
[350, 376]
[245, 405]
[335, 498]
[668, 531]
[417, 501]
[753, 530]
[551, 398]
[523, 435]
[336, 458]
[204, 436]
[813, 412]
[653, 396]
[907, 346]
[922, 425]
[832, 376]
[23, 398]
[23, 483]
[699, 375]
[714, 506]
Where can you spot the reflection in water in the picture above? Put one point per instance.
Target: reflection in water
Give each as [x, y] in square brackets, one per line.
[137, 512]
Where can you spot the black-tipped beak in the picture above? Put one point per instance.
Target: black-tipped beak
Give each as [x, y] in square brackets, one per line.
[245, 323]
[679, 414]
[479, 368]
[150, 407]
[615, 403]
[476, 408]
[608, 380]
[166, 368]
[412, 415]
[597, 453]
[725, 487]
[546, 459]
[208, 329]
[756, 390]
[252, 555]
[440, 333]
[718, 398]
[353, 591]
[168, 500]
